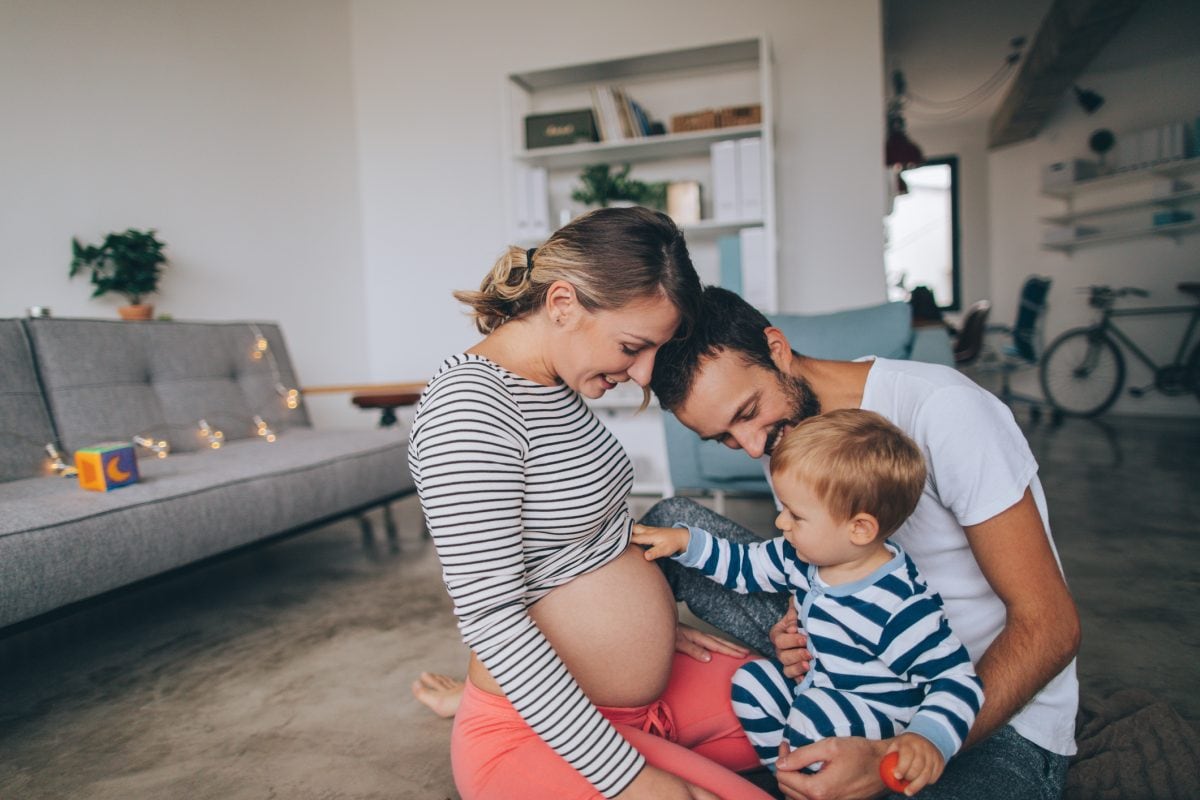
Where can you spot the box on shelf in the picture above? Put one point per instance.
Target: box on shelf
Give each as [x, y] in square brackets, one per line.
[1172, 216]
[1062, 173]
[559, 128]
[694, 121]
[739, 115]
[683, 202]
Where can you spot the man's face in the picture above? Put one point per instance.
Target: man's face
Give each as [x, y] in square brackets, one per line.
[744, 406]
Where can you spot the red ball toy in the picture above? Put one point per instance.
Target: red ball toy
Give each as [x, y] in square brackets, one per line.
[886, 768]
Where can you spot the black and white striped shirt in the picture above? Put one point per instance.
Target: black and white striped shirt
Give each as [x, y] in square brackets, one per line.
[523, 489]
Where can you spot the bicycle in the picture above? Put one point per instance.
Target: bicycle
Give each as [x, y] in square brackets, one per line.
[1083, 371]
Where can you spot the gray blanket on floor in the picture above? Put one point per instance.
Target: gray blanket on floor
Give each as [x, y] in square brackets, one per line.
[1133, 746]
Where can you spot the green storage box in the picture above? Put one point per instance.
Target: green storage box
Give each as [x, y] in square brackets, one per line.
[560, 127]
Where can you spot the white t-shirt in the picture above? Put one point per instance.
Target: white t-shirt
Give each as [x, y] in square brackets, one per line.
[979, 465]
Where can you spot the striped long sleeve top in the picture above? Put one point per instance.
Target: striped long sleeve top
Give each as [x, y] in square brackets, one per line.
[523, 489]
[883, 637]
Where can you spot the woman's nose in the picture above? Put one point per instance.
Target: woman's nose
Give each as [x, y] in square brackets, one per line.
[642, 368]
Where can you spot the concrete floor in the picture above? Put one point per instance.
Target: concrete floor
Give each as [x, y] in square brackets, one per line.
[284, 672]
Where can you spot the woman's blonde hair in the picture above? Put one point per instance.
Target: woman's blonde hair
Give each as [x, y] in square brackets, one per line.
[612, 256]
[855, 461]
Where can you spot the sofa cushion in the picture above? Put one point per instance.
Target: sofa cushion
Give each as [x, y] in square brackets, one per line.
[160, 378]
[60, 543]
[25, 427]
[882, 330]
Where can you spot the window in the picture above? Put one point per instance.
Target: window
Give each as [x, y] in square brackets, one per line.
[921, 234]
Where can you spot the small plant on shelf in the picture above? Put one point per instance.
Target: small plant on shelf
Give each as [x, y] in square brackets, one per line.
[603, 187]
[128, 263]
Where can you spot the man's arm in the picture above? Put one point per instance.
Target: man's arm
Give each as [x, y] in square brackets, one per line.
[1041, 634]
[1039, 638]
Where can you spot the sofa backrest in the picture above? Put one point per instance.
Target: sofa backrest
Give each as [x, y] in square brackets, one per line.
[25, 427]
[883, 330]
[111, 380]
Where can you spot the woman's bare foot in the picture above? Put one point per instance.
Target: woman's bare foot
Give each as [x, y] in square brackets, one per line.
[440, 693]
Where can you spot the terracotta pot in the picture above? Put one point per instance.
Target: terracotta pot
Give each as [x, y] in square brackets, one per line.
[139, 311]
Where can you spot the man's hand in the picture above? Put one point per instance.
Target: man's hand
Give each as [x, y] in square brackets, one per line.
[849, 770]
[790, 644]
[700, 645]
[661, 541]
[920, 762]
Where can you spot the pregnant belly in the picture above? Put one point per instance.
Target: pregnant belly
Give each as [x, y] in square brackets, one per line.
[614, 628]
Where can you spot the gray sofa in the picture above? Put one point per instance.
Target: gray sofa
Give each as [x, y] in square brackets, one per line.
[79, 382]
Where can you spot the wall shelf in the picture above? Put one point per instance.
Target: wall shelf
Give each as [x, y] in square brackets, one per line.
[1167, 169]
[1173, 231]
[1167, 201]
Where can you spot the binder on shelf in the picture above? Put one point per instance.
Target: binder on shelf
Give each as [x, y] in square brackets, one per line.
[757, 289]
[725, 185]
[531, 203]
[729, 255]
[750, 177]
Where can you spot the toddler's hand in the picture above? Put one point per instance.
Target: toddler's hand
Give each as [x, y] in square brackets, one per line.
[920, 762]
[661, 541]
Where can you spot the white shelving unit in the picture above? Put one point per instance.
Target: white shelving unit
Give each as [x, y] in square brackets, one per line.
[665, 83]
[1128, 208]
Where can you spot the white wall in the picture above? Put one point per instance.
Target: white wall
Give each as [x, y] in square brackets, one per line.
[227, 125]
[1136, 97]
[429, 80]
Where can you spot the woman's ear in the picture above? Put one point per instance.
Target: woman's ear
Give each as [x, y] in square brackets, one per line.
[561, 303]
[864, 528]
[780, 348]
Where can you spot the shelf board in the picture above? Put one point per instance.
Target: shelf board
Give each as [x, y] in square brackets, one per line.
[1166, 169]
[720, 227]
[743, 50]
[1172, 230]
[1166, 202]
[668, 145]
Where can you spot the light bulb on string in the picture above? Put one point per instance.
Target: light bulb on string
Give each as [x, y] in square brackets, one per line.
[291, 397]
[159, 447]
[57, 465]
[263, 429]
[214, 437]
[260, 347]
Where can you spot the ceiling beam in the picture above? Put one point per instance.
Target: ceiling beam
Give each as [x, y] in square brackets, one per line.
[1070, 36]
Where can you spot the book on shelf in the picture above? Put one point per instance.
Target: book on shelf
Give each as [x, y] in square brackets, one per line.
[756, 282]
[750, 178]
[531, 203]
[618, 116]
[725, 182]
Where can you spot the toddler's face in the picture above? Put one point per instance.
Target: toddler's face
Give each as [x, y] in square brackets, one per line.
[809, 527]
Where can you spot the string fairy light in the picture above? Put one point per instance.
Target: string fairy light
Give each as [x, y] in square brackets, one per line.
[262, 349]
[263, 429]
[159, 447]
[57, 465]
[214, 437]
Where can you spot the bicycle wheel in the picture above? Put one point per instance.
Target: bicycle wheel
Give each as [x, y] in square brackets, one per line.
[1082, 372]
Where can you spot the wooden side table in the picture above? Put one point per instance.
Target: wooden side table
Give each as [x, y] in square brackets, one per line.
[386, 397]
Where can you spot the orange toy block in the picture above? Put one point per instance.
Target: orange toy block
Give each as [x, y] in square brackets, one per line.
[106, 466]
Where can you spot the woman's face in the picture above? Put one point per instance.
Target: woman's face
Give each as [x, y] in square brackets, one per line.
[598, 350]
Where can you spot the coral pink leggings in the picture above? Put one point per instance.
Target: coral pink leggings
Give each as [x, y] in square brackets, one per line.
[690, 732]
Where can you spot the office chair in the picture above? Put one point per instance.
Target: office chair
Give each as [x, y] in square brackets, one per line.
[1025, 347]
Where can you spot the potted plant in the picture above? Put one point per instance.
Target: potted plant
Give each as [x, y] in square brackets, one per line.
[128, 263]
[603, 187]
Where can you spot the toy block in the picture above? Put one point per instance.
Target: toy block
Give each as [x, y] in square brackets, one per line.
[106, 466]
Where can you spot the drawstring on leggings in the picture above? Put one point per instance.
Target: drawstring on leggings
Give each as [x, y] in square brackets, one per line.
[660, 722]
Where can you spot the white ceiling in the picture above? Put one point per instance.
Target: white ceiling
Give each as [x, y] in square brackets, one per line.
[946, 48]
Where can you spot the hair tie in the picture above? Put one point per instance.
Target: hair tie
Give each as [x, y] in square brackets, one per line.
[529, 260]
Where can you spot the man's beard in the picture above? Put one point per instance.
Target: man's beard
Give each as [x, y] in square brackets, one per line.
[803, 402]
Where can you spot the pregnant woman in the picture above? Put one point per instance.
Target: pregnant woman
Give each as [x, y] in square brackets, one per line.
[574, 688]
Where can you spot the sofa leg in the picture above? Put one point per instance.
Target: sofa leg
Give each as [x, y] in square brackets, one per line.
[719, 501]
[389, 524]
[368, 534]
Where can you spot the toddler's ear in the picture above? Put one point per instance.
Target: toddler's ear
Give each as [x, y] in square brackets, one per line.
[864, 528]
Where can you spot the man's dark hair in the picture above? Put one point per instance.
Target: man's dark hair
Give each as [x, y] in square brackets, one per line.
[724, 321]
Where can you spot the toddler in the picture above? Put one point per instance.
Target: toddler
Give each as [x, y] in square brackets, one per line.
[884, 661]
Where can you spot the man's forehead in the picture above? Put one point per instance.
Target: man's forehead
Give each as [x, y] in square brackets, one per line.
[723, 382]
